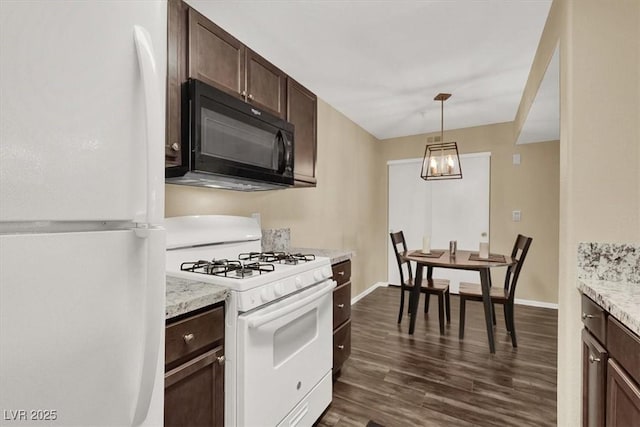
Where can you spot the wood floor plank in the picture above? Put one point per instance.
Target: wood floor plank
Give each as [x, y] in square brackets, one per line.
[396, 379]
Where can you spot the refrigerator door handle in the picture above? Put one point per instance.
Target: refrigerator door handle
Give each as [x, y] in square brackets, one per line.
[154, 321]
[154, 103]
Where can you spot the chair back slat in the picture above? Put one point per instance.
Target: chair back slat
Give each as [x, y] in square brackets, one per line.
[519, 253]
[399, 246]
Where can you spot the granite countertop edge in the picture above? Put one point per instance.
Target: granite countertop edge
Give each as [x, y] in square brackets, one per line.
[620, 299]
[185, 295]
[335, 255]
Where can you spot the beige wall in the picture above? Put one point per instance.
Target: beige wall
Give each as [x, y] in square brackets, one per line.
[531, 187]
[345, 211]
[599, 156]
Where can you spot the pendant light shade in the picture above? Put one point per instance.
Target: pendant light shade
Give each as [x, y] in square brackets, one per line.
[441, 160]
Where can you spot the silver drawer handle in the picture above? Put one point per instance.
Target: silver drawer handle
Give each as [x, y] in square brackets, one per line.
[340, 273]
[341, 347]
[188, 338]
[593, 359]
[340, 305]
[221, 360]
[587, 316]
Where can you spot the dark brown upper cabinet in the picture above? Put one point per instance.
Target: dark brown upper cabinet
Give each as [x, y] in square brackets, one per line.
[177, 54]
[302, 111]
[198, 48]
[265, 85]
[219, 59]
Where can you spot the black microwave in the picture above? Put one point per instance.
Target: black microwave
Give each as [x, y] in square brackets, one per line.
[228, 143]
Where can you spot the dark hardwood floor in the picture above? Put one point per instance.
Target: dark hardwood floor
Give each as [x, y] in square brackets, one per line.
[394, 379]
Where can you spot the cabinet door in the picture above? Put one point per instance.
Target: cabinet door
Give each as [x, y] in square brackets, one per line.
[623, 398]
[594, 363]
[215, 57]
[177, 48]
[302, 111]
[194, 391]
[266, 84]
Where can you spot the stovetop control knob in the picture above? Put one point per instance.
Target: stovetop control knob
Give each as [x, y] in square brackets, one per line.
[298, 282]
[317, 275]
[278, 289]
[326, 272]
[265, 295]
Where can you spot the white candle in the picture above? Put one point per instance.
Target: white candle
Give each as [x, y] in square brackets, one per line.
[484, 250]
[426, 244]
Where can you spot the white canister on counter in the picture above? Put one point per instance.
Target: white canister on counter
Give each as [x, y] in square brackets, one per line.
[426, 244]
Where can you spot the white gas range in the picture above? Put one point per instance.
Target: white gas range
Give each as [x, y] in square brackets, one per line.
[278, 318]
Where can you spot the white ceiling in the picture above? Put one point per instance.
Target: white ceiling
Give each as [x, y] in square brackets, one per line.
[381, 62]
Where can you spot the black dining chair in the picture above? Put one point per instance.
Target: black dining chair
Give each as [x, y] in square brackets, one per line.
[504, 296]
[439, 287]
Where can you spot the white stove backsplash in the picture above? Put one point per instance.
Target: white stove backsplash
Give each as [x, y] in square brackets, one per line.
[276, 239]
[616, 262]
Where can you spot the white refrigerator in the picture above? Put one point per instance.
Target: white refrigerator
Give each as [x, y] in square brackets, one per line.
[82, 247]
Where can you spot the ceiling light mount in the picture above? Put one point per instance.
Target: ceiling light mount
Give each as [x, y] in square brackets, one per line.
[441, 160]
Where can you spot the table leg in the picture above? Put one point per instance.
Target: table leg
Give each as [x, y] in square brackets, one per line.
[485, 283]
[415, 298]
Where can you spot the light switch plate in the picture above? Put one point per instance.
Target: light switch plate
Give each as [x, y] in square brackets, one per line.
[515, 216]
[516, 159]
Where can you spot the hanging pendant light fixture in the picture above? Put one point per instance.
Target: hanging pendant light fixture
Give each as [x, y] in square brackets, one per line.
[441, 160]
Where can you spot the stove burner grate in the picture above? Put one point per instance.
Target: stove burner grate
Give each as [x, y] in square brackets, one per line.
[227, 268]
[277, 257]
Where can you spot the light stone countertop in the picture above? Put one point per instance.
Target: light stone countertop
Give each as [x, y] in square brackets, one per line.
[184, 295]
[620, 299]
[336, 255]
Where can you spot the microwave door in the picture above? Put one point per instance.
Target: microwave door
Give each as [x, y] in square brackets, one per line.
[228, 142]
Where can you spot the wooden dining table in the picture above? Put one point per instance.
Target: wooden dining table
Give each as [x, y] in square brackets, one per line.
[460, 261]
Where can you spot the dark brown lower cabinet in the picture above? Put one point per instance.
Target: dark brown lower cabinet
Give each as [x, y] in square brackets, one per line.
[623, 398]
[594, 377]
[194, 391]
[341, 315]
[194, 369]
[610, 370]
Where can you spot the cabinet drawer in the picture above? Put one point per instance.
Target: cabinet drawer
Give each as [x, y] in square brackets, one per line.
[341, 345]
[342, 272]
[594, 319]
[624, 346]
[194, 334]
[341, 303]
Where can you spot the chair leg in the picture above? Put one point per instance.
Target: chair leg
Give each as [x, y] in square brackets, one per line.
[447, 301]
[462, 314]
[507, 321]
[426, 303]
[441, 312]
[513, 326]
[401, 306]
[493, 306]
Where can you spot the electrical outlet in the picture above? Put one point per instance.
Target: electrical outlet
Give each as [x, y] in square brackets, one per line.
[256, 216]
[437, 138]
[515, 216]
[429, 139]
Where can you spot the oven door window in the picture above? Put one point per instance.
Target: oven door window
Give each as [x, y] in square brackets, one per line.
[225, 137]
[282, 359]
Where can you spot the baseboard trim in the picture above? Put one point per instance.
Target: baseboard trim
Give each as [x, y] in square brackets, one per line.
[531, 303]
[368, 291]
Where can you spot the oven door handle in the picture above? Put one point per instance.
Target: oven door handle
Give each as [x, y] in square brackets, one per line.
[261, 320]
